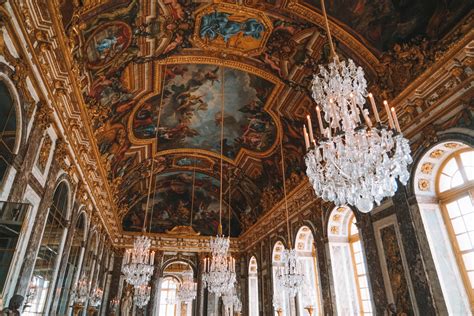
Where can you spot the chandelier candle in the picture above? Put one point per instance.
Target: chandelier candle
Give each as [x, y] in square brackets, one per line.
[389, 114]
[394, 114]
[374, 108]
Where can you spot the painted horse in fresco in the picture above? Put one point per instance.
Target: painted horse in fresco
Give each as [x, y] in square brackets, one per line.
[219, 24]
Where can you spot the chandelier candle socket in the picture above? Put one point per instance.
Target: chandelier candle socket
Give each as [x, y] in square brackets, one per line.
[356, 164]
[138, 262]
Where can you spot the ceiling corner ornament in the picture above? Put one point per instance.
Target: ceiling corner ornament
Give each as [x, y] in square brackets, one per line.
[231, 28]
[353, 162]
[183, 230]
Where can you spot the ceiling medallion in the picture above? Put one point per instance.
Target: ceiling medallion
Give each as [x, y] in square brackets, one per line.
[353, 162]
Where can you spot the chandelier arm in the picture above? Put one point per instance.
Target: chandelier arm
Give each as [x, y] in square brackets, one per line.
[152, 167]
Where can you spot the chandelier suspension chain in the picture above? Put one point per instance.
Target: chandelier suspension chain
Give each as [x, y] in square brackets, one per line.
[284, 190]
[152, 157]
[326, 22]
[192, 193]
[222, 150]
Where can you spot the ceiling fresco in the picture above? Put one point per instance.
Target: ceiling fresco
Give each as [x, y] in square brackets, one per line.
[191, 111]
[152, 75]
[387, 22]
[171, 205]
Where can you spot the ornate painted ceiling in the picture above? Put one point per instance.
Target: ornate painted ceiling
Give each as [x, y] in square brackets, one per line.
[154, 75]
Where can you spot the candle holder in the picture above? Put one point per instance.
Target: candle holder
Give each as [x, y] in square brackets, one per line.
[279, 311]
[77, 308]
[310, 310]
[91, 310]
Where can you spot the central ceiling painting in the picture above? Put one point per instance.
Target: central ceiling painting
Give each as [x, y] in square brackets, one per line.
[190, 108]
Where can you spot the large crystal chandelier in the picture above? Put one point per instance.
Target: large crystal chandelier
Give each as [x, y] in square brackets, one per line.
[187, 290]
[138, 262]
[219, 271]
[141, 295]
[290, 276]
[354, 161]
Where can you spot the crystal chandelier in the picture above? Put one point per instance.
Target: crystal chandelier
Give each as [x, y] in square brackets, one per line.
[141, 295]
[188, 289]
[290, 275]
[354, 161]
[237, 305]
[81, 292]
[138, 262]
[219, 272]
[96, 297]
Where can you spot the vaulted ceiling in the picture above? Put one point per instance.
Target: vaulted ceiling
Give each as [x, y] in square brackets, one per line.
[157, 72]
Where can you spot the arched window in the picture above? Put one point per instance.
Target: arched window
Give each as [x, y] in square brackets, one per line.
[8, 127]
[72, 264]
[309, 296]
[455, 188]
[253, 287]
[348, 264]
[168, 296]
[280, 299]
[48, 258]
[174, 276]
[444, 185]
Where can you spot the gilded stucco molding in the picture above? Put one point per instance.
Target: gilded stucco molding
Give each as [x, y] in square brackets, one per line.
[356, 47]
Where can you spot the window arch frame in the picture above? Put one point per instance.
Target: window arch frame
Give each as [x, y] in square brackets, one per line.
[16, 104]
[451, 195]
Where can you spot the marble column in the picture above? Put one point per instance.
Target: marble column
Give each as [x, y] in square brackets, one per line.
[71, 229]
[155, 284]
[374, 270]
[200, 287]
[28, 153]
[115, 282]
[421, 286]
[324, 264]
[40, 221]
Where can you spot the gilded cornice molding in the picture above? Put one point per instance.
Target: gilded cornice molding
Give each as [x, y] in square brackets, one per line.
[357, 48]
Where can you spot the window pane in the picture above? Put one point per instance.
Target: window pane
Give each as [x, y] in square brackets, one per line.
[471, 278]
[356, 246]
[456, 180]
[464, 242]
[363, 281]
[453, 209]
[467, 158]
[451, 167]
[458, 225]
[465, 205]
[469, 173]
[468, 260]
[444, 183]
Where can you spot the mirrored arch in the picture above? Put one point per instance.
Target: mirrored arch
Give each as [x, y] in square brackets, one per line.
[253, 286]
